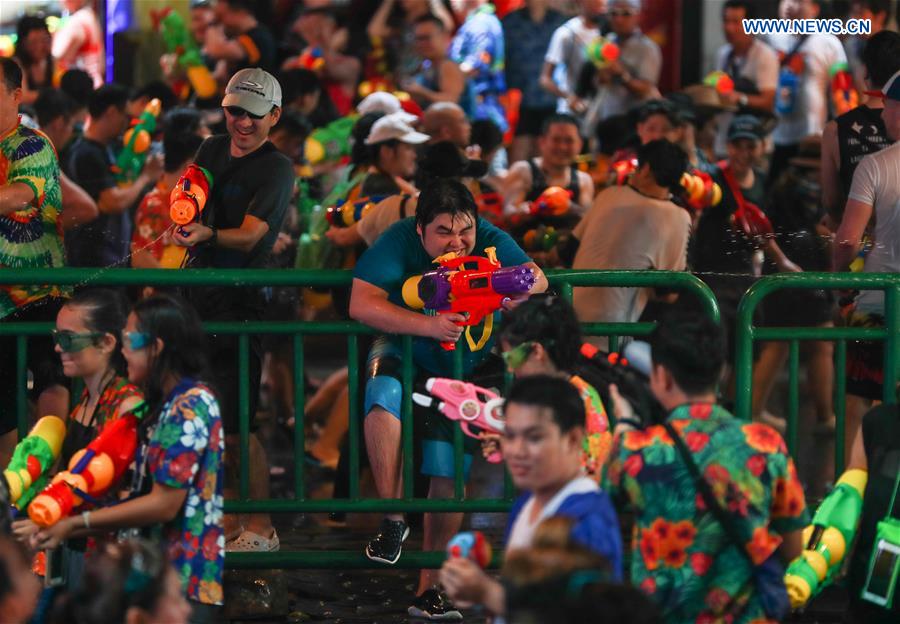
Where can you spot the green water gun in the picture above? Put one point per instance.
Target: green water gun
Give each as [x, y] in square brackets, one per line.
[137, 144]
[32, 459]
[180, 42]
[331, 142]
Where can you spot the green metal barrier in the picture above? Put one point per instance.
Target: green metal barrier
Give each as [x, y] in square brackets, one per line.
[563, 281]
[746, 333]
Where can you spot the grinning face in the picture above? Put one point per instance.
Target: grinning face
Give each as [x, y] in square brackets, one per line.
[449, 234]
[744, 153]
[248, 134]
[560, 145]
[538, 454]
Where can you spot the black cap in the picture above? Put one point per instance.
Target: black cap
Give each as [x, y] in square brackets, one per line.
[746, 127]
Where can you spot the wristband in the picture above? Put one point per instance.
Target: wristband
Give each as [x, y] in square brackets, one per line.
[743, 99]
[86, 519]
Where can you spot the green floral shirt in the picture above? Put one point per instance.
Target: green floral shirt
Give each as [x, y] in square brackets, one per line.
[31, 237]
[680, 553]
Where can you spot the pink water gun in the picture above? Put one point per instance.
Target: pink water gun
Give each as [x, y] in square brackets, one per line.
[467, 403]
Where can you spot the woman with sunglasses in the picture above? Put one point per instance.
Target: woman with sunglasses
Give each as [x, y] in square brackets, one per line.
[542, 337]
[179, 463]
[88, 327]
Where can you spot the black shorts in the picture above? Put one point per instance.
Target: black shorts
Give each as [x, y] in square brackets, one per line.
[531, 120]
[42, 360]
[798, 308]
[865, 359]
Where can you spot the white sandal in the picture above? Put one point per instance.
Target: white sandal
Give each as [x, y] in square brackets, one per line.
[254, 542]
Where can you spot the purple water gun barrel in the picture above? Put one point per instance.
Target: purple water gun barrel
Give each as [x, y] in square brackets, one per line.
[514, 280]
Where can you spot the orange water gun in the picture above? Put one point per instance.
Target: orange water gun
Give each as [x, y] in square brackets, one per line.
[188, 199]
[345, 213]
[555, 201]
[476, 293]
[92, 471]
[700, 189]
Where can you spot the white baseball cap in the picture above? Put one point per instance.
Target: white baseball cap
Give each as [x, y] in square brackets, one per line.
[253, 89]
[395, 127]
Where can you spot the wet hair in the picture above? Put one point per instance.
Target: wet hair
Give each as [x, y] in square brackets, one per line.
[294, 124]
[180, 138]
[549, 320]
[747, 5]
[444, 196]
[12, 73]
[552, 393]
[104, 311]
[667, 162]
[658, 107]
[691, 347]
[360, 154]
[53, 103]
[171, 319]
[881, 56]
[24, 26]
[123, 575]
[486, 135]
[430, 18]
[78, 85]
[558, 118]
[110, 94]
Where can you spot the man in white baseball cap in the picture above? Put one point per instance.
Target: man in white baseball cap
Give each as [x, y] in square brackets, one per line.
[248, 199]
[393, 143]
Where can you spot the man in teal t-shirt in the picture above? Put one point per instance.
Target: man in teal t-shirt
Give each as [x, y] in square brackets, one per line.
[446, 221]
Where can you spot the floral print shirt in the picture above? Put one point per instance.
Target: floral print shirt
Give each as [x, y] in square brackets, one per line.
[680, 553]
[186, 451]
[597, 436]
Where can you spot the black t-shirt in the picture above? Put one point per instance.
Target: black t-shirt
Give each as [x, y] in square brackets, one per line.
[881, 436]
[258, 184]
[716, 246]
[105, 240]
[260, 48]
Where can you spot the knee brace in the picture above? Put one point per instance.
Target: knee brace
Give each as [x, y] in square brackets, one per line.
[385, 392]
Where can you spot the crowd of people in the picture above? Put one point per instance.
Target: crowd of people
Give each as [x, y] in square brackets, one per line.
[534, 134]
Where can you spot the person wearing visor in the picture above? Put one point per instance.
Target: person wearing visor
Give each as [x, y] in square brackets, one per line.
[87, 340]
[177, 480]
[252, 183]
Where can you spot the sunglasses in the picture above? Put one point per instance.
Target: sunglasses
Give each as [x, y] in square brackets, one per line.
[136, 340]
[73, 342]
[238, 113]
[515, 357]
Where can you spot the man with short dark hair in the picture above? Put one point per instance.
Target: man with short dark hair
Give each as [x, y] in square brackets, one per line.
[251, 189]
[105, 241]
[681, 554]
[559, 143]
[446, 222]
[636, 226]
[544, 428]
[30, 237]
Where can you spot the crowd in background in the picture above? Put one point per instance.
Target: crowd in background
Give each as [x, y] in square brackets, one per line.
[378, 141]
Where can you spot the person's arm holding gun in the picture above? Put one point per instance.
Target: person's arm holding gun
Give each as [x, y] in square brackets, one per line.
[116, 199]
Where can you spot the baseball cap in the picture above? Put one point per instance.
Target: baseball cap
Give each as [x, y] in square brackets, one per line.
[745, 127]
[394, 127]
[253, 89]
[384, 102]
[891, 89]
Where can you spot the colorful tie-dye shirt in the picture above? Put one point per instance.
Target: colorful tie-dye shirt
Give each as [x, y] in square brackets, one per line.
[187, 451]
[598, 437]
[680, 553]
[30, 238]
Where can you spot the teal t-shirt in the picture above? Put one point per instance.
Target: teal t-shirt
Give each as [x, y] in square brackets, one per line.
[398, 254]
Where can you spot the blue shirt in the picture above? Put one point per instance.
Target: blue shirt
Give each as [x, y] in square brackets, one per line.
[526, 44]
[398, 254]
[479, 44]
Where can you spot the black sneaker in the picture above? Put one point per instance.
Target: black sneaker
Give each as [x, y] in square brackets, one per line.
[433, 605]
[388, 543]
